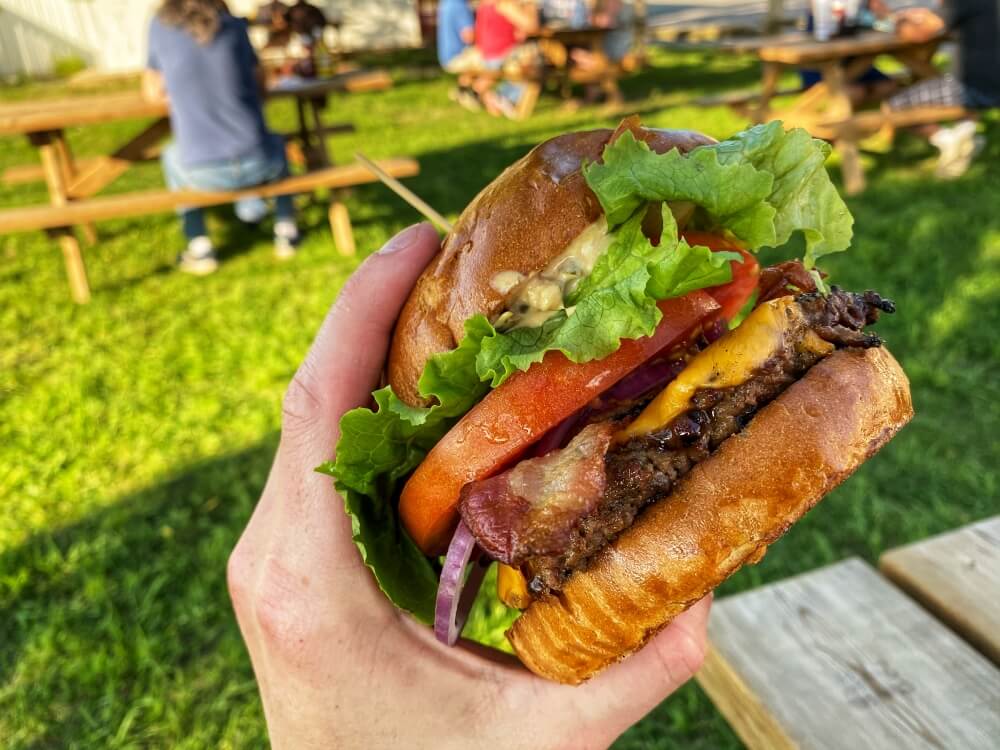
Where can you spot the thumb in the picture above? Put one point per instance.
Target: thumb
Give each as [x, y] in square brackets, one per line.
[347, 356]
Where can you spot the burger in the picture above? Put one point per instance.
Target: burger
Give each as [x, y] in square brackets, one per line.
[595, 386]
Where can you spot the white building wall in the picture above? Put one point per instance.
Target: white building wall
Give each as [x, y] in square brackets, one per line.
[110, 35]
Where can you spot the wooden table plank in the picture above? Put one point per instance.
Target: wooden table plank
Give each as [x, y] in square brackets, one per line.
[840, 659]
[56, 114]
[798, 51]
[155, 201]
[957, 577]
[353, 82]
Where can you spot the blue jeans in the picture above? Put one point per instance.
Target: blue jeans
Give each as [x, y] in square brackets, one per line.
[266, 165]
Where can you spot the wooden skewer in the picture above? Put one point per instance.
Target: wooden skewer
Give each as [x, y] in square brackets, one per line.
[406, 194]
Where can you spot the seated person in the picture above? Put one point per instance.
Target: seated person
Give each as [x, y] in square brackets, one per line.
[572, 14]
[502, 26]
[308, 24]
[455, 31]
[304, 50]
[272, 13]
[974, 82]
[617, 16]
[200, 59]
[456, 53]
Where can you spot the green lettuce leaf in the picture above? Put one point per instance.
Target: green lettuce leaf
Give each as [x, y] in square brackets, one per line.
[762, 185]
[378, 448]
[616, 301]
[734, 194]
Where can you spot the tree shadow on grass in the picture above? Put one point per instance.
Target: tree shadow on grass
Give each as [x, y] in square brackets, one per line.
[119, 628]
[698, 72]
[122, 621]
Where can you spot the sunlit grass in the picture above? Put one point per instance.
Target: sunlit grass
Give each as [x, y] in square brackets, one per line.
[136, 432]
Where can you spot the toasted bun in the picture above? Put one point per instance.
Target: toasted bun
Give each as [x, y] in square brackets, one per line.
[721, 515]
[519, 222]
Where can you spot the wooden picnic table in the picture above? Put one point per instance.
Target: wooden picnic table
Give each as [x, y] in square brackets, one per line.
[825, 109]
[556, 44]
[843, 658]
[44, 122]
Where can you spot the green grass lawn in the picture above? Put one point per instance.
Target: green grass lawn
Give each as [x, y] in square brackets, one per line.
[136, 432]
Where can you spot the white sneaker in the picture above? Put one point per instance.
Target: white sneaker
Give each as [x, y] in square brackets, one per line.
[958, 146]
[286, 239]
[199, 258]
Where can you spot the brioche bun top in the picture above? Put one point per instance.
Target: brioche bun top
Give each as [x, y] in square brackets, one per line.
[519, 222]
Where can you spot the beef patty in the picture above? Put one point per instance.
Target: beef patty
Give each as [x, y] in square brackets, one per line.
[573, 512]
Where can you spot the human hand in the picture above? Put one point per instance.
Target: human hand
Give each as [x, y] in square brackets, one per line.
[918, 24]
[336, 663]
[603, 20]
[879, 8]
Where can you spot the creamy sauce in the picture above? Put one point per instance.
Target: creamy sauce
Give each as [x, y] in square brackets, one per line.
[535, 299]
[729, 362]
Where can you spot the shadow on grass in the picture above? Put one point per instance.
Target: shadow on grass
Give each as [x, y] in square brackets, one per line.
[699, 72]
[130, 603]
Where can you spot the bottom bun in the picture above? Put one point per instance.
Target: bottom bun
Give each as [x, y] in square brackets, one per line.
[722, 515]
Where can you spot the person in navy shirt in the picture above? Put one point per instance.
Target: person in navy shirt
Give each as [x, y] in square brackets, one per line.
[201, 61]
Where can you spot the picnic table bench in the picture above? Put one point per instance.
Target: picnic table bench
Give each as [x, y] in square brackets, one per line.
[826, 109]
[842, 658]
[73, 186]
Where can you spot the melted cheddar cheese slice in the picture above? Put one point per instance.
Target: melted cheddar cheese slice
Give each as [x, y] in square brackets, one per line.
[728, 362]
[512, 588]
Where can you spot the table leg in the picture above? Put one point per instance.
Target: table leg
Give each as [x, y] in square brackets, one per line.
[53, 168]
[304, 135]
[68, 168]
[769, 84]
[76, 271]
[840, 108]
[340, 224]
[322, 155]
[920, 60]
[102, 172]
[850, 166]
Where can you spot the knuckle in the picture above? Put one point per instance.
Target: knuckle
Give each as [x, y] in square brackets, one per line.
[279, 610]
[237, 576]
[284, 614]
[303, 402]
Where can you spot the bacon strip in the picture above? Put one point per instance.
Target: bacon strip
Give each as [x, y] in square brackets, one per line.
[534, 508]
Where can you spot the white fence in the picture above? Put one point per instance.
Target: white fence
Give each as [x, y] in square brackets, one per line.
[111, 34]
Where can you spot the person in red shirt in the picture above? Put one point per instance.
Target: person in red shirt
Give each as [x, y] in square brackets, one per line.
[502, 26]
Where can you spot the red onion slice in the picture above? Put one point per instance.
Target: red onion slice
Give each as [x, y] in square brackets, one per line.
[455, 597]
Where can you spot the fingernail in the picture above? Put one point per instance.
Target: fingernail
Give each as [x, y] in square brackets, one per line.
[402, 241]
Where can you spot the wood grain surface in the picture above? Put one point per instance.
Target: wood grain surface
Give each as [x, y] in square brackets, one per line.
[797, 51]
[957, 577]
[841, 659]
[39, 115]
[153, 201]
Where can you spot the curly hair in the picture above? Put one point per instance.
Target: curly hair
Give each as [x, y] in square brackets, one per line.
[199, 18]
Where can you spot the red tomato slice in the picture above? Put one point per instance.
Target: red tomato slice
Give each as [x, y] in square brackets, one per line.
[502, 426]
[734, 295]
